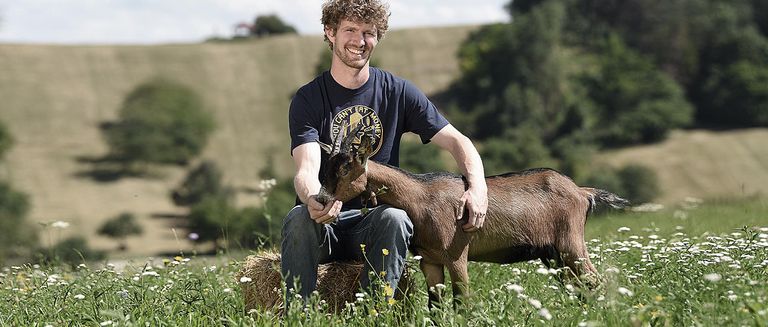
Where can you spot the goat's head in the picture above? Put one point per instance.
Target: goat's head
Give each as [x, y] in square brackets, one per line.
[345, 172]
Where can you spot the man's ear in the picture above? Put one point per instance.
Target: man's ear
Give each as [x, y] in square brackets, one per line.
[330, 33]
[325, 147]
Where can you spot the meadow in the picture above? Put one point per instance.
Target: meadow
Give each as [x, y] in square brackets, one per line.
[691, 264]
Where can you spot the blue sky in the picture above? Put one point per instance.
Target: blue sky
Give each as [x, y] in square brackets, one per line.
[183, 21]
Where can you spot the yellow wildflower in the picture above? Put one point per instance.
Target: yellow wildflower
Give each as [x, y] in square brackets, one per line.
[385, 251]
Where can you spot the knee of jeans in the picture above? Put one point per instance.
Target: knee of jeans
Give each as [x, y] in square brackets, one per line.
[397, 220]
[298, 221]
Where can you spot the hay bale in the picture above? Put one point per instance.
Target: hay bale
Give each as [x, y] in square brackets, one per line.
[337, 282]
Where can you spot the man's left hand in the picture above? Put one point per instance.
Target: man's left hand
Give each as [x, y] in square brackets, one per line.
[475, 200]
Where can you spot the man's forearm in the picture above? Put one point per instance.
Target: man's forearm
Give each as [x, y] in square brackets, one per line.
[305, 187]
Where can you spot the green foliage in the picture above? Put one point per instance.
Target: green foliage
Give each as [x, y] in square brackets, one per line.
[521, 150]
[737, 95]
[120, 227]
[160, 122]
[268, 25]
[202, 181]
[6, 140]
[72, 251]
[635, 102]
[634, 182]
[639, 182]
[17, 236]
[419, 158]
[213, 217]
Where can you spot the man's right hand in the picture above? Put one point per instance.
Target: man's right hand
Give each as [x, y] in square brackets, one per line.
[323, 214]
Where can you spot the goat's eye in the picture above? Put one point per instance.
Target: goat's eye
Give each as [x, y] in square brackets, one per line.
[344, 169]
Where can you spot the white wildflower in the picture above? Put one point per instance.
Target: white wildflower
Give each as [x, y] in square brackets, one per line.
[417, 257]
[245, 279]
[106, 323]
[543, 271]
[624, 291]
[535, 303]
[623, 229]
[79, 297]
[544, 313]
[227, 290]
[150, 273]
[515, 287]
[733, 297]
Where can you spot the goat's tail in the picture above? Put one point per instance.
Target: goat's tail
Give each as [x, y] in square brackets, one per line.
[597, 195]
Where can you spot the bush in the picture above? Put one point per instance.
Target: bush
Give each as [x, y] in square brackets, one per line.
[17, 236]
[120, 227]
[73, 251]
[639, 182]
[6, 140]
[521, 150]
[636, 183]
[160, 122]
[419, 158]
[202, 181]
[267, 25]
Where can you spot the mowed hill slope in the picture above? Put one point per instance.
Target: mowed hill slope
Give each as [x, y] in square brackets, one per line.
[55, 97]
[704, 164]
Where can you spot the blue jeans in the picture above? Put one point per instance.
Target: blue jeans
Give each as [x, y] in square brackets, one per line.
[307, 244]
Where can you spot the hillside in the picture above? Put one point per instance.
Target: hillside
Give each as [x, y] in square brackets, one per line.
[703, 164]
[55, 97]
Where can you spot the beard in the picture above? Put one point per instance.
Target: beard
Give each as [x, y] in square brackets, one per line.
[351, 60]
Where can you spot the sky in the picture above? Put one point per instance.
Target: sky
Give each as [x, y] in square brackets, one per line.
[189, 21]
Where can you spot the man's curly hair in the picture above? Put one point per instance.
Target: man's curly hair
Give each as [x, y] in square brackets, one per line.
[360, 11]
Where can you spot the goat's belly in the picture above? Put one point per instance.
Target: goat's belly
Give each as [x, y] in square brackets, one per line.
[511, 254]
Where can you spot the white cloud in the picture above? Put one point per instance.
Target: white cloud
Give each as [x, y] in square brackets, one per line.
[159, 21]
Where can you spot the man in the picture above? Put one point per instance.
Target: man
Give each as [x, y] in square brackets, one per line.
[352, 93]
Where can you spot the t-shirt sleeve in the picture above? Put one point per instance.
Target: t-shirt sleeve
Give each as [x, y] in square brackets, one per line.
[303, 121]
[421, 115]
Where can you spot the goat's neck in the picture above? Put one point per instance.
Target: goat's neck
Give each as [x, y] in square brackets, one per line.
[402, 191]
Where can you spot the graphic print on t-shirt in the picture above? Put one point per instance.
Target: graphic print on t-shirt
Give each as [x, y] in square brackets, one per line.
[350, 117]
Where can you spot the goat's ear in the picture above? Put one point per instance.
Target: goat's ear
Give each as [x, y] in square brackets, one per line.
[365, 148]
[325, 147]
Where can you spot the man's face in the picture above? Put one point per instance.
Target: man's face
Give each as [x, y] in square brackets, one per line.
[353, 43]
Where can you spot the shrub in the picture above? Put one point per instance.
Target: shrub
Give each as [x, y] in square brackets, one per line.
[120, 227]
[160, 122]
[73, 251]
[521, 150]
[639, 182]
[202, 181]
[16, 234]
[6, 140]
[418, 158]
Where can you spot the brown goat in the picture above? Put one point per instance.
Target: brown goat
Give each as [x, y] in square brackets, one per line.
[533, 214]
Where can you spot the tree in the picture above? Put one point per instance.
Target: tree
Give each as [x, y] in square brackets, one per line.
[635, 102]
[737, 95]
[120, 227]
[418, 158]
[6, 140]
[268, 25]
[160, 122]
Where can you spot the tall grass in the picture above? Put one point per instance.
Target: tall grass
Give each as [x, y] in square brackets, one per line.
[657, 269]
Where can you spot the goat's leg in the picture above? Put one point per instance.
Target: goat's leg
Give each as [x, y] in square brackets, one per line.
[433, 273]
[459, 280]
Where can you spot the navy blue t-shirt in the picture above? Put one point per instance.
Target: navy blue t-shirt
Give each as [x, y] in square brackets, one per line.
[386, 103]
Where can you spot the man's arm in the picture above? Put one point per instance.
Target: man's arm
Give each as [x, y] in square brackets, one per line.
[463, 151]
[307, 160]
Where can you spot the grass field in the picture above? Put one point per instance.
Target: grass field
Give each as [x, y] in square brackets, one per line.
[689, 265]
